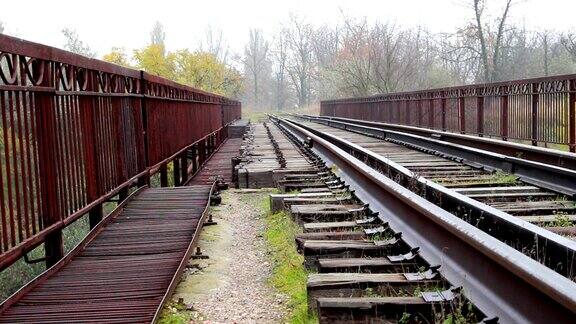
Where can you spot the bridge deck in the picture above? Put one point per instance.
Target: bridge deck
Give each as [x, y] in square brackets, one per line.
[220, 163]
[123, 273]
[124, 268]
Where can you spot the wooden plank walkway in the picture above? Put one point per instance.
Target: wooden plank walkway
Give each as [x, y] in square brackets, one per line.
[125, 267]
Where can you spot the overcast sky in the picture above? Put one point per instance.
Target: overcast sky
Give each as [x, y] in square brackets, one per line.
[127, 23]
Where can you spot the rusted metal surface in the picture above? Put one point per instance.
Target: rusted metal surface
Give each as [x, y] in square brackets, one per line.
[499, 280]
[539, 111]
[501, 208]
[123, 271]
[220, 164]
[551, 177]
[77, 131]
[538, 154]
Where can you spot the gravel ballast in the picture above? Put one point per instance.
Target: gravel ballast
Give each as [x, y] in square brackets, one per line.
[233, 284]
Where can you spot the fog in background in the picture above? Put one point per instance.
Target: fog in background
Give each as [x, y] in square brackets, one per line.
[280, 55]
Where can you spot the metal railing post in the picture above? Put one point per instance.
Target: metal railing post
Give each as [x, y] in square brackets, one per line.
[480, 116]
[50, 209]
[419, 105]
[184, 166]
[462, 111]
[431, 113]
[407, 111]
[443, 104]
[572, 115]
[143, 181]
[534, 132]
[194, 154]
[93, 189]
[163, 176]
[504, 115]
[176, 171]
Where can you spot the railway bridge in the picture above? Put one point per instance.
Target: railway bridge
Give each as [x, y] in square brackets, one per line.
[412, 206]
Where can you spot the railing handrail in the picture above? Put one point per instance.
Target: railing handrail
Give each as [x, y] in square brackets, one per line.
[18, 46]
[439, 91]
[537, 110]
[83, 130]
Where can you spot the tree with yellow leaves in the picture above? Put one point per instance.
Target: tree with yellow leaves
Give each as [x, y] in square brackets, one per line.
[117, 56]
[204, 71]
[154, 60]
[197, 69]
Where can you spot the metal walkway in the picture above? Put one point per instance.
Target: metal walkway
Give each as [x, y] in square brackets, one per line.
[220, 164]
[129, 264]
[126, 267]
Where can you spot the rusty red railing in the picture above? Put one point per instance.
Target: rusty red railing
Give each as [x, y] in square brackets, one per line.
[538, 111]
[75, 132]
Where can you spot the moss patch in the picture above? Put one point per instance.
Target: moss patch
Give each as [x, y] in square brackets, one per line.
[174, 313]
[289, 275]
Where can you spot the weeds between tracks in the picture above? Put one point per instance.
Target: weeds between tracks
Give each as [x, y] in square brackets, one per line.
[288, 275]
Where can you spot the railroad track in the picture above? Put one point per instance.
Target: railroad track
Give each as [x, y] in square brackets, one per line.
[384, 254]
[497, 202]
[506, 192]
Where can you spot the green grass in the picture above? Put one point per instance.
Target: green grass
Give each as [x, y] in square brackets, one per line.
[504, 178]
[20, 273]
[289, 275]
[174, 313]
[254, 116]
[561, 219]
[75, 233]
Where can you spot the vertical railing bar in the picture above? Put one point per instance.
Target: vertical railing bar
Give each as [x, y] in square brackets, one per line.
[48, 164]
[29, 158]
[443, 107]
[504, 116]
[4, 213]
[572, 115]
[66, 153]
[22, 157]
[60, 179]
[13, 99]
[76, 140]
[534, 114]
[35, 125]
[80, 151]
[462, 111]
[480, 111]
[72, 139]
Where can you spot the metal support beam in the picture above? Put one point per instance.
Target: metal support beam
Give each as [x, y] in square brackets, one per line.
[163, 176]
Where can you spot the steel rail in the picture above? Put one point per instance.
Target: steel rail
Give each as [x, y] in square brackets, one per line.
[558, 179]
[528, 152]
[560, 252]
[185, 259]
[499, 280]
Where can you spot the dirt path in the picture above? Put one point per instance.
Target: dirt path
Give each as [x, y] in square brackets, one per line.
[232, 285]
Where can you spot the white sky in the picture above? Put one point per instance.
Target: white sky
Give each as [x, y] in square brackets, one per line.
[127, 23]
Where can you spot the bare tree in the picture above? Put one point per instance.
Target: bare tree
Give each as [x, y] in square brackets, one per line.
[300, 67]
[357, 58]
[75, 45]
[569, 43]
[490, 45]
[545, 36]
[1, 27]
[256, 63]
[157, 35]
[374, 58]
[215, 44]
[279, 55]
